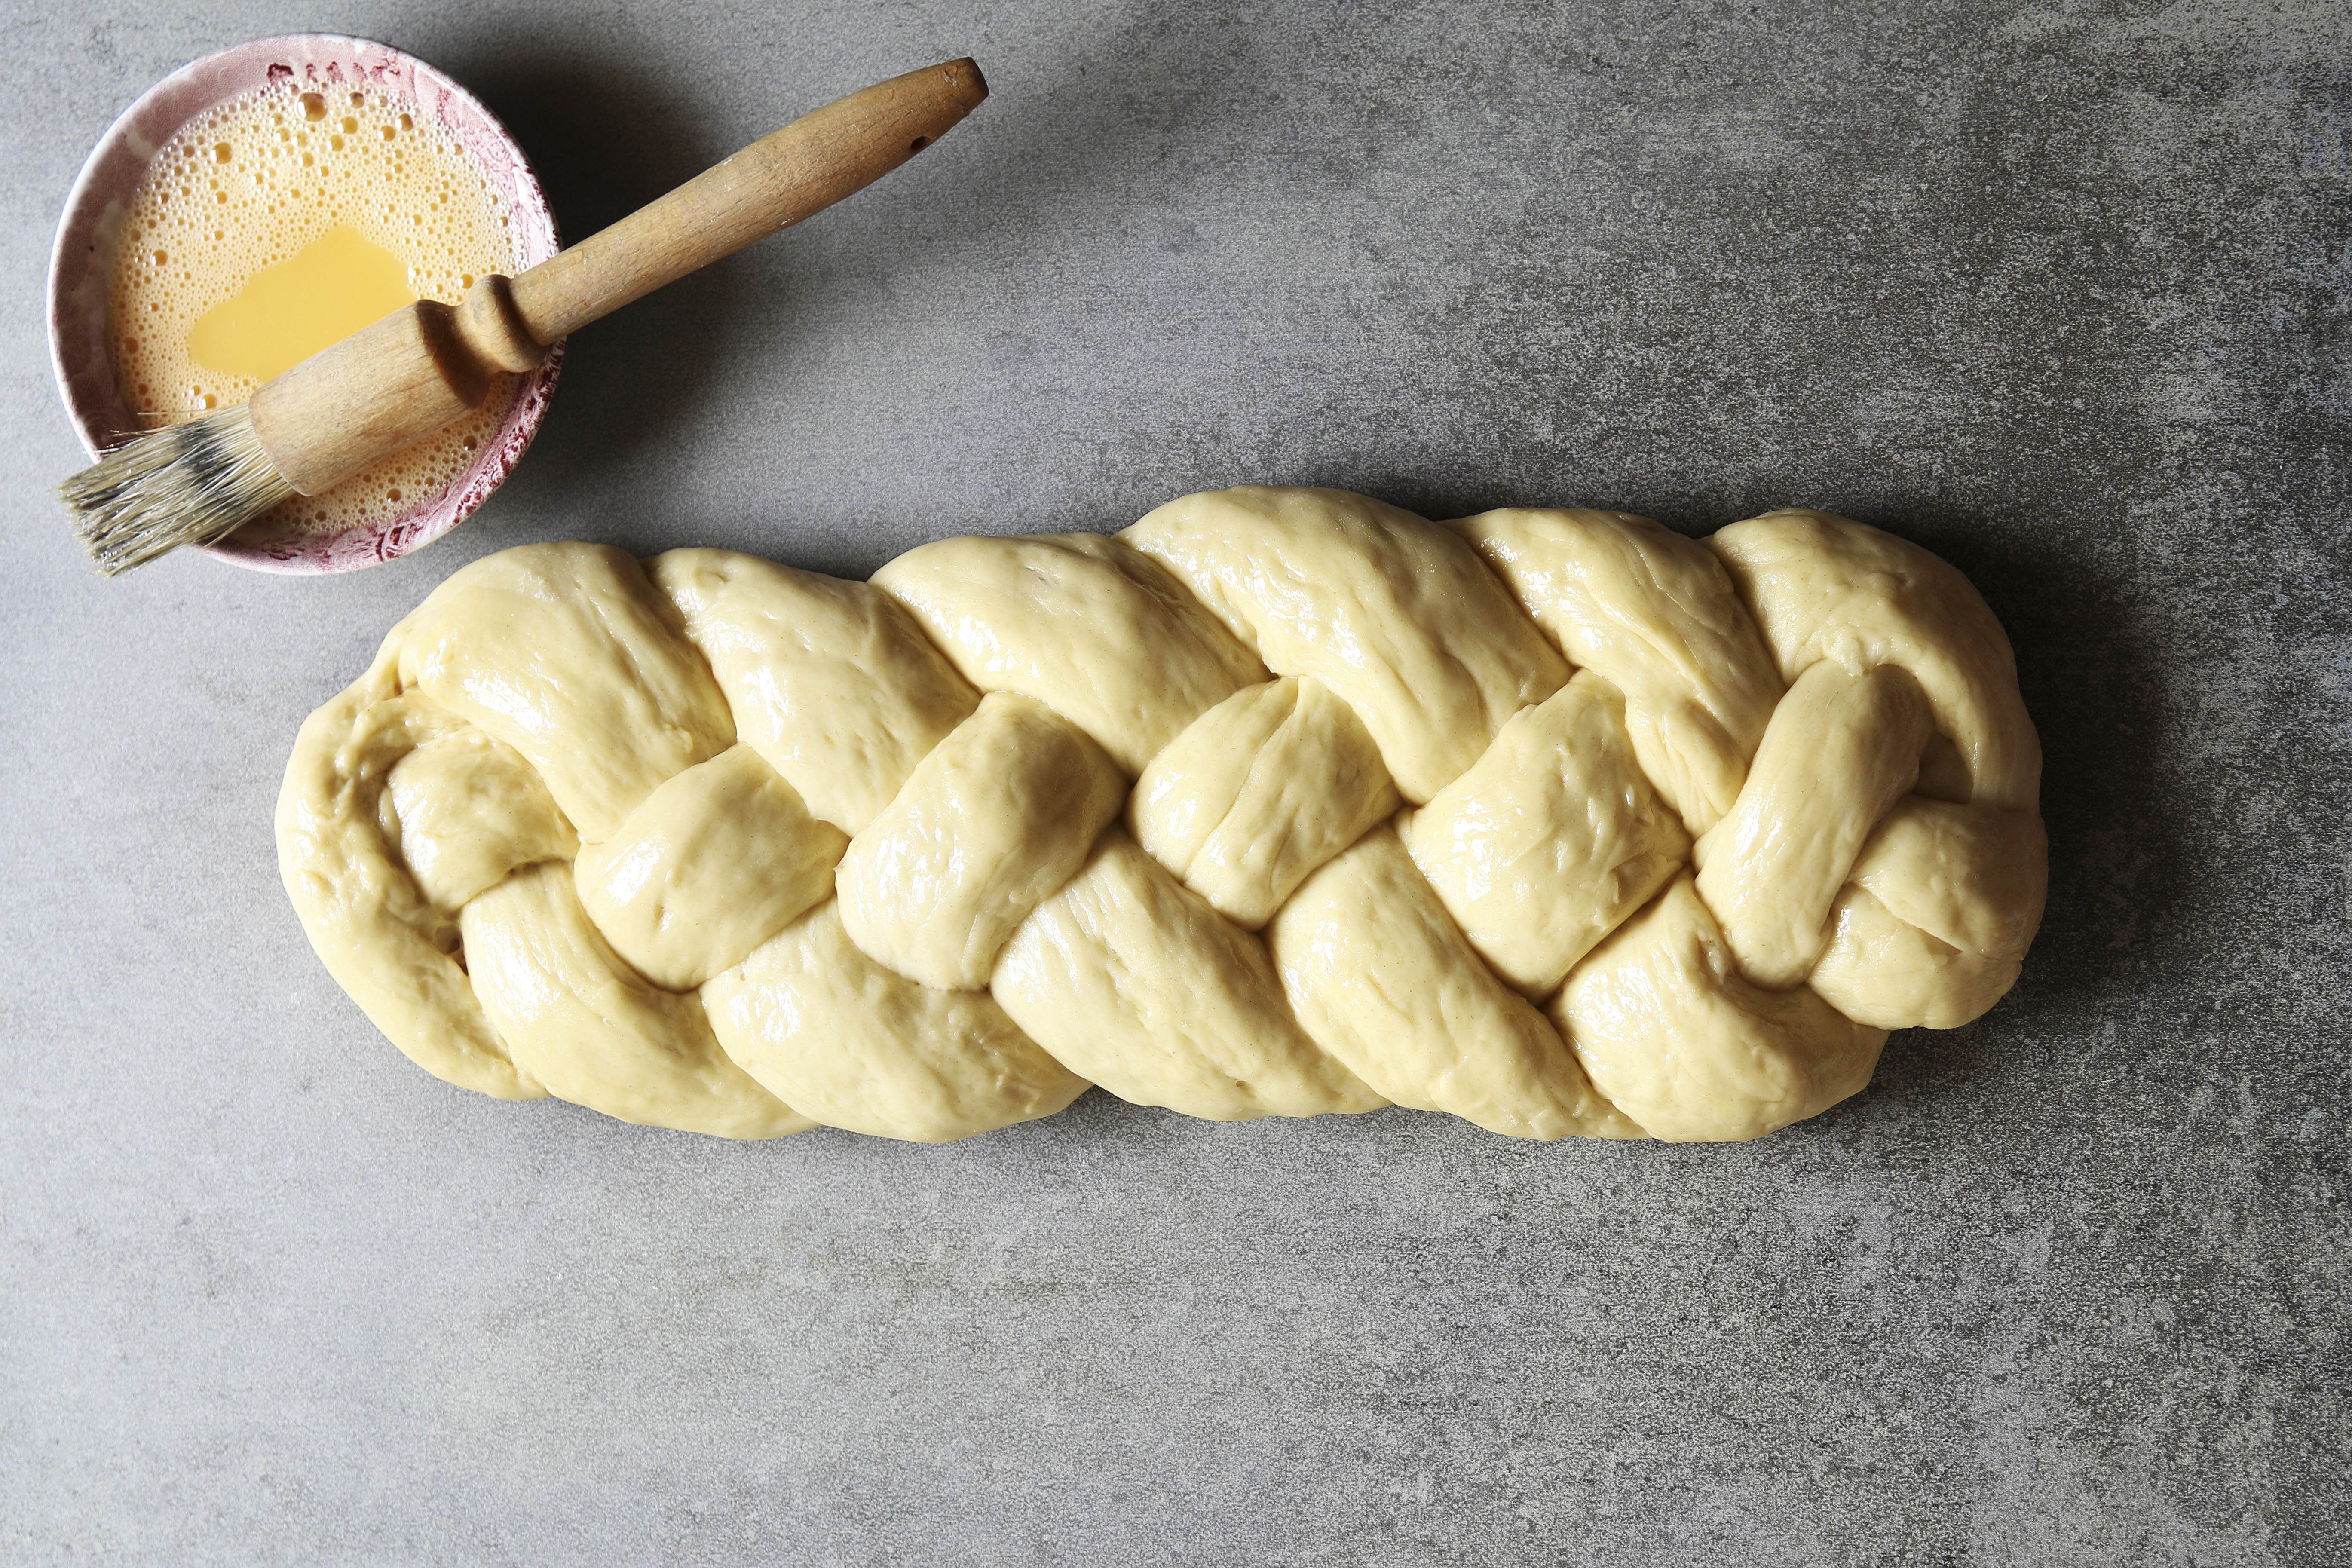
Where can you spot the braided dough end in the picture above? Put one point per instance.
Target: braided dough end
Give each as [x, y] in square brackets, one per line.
[1933, 927]
[384, 943]
[1281, 802]
[1685, 1045]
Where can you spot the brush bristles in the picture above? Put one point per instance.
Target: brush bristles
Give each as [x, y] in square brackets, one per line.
[189, 484]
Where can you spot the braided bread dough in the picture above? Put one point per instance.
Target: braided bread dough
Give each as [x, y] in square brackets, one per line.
[1280, 802]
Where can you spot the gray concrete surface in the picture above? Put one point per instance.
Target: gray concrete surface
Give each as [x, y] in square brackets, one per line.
[2060, 292]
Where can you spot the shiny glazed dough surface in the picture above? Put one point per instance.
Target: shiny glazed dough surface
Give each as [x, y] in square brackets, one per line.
[1280, 802]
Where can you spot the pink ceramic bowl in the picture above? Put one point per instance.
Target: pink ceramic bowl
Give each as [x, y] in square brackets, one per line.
[77, 271]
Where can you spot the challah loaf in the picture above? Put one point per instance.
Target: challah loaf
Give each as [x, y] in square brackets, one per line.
[1280, 802]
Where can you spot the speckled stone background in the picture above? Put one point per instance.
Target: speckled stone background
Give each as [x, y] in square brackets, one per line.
[2061, 292]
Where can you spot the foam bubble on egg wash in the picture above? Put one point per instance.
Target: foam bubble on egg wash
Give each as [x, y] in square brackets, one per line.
[257, 182]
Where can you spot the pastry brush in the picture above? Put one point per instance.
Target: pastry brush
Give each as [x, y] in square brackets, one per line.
[390, 386]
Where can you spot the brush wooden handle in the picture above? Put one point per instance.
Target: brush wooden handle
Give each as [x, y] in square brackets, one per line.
[775, 182]
[392, 385]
